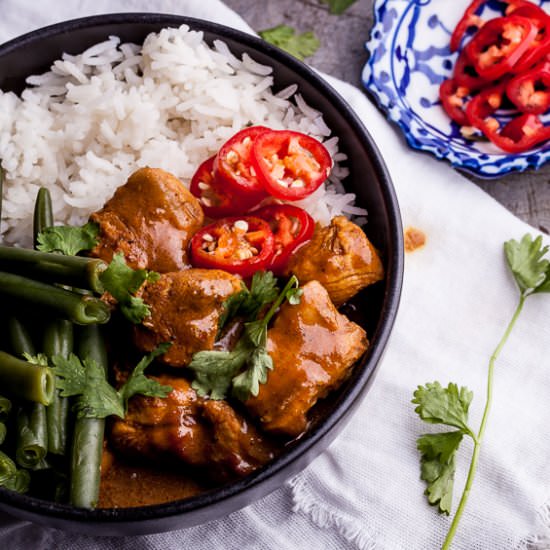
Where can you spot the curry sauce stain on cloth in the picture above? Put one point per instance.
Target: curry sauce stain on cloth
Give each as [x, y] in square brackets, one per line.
[414, 239]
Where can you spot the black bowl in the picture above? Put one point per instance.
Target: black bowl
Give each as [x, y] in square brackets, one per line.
[375, 308]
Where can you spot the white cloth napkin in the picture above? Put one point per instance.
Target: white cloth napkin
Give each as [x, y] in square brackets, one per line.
[365, 491]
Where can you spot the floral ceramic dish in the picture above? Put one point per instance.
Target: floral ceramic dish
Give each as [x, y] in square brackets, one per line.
[409, 58]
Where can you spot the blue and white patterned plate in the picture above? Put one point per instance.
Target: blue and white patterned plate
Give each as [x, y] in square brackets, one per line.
[409, 58]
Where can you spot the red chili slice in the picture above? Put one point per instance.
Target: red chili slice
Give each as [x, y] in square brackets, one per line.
[452, 98]
[291, 165]
[465, 75]
[216, 199]
[233, 164]
[530, 91]
[468, 20]
[291, 227]
[499, 44]
[520, 134]
[239, 245]
[541, 44]
[484, 105]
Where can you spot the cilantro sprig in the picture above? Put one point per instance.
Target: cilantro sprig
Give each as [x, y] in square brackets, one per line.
[242, 370]
[449, 406]
[299, 45]
[122, 282]
[119, 280]
[97, 398]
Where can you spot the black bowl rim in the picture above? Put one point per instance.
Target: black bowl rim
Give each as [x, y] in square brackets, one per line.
[395, 265]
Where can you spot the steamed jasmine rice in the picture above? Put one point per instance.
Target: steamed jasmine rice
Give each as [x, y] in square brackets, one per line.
[83, 127]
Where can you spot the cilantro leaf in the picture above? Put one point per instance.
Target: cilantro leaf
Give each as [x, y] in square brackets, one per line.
[293, 296]
[134, 309]
[38, 359]
[338, 7]
[299, 45]
[214, 370]
[438, 405]
[438, 465]
[232, 306]
[71, 375]
[525, 259]
[248, 303]
[139, 383]
[97, 398]
[67, 239]
[439, 445]
[263, 290]
[122, 282]
[449, 406]
[256, 331]
[248, 382]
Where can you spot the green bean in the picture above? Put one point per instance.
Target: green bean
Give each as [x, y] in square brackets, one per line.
[61, 487]
[7, 468]
[31, 444]
[78, 308]
[32, 437]
[5, 408]
[58, 340]
[54, 268]
[43, 213]
[87, 445]
[3, 432]
[19, 482]
[20, 339]
[26, 380]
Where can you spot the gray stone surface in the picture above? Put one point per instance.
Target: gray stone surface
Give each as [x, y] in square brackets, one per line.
[342, 54]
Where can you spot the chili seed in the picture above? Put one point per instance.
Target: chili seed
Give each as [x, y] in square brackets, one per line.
[241, 225]
[244, 254]
[232, 157]
[207, 237]
[203, 186]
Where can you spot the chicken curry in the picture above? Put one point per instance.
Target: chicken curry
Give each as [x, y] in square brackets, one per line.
[198, 440]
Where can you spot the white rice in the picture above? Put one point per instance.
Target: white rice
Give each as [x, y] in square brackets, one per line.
[83, 127]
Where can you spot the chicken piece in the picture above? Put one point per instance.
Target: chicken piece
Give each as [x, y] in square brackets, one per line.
[185, 310]
[340, 257]
[313, 348]
[188, 428]
[150, 220]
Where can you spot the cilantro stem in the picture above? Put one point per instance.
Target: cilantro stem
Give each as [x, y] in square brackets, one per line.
[293, 281]
[478, 440]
